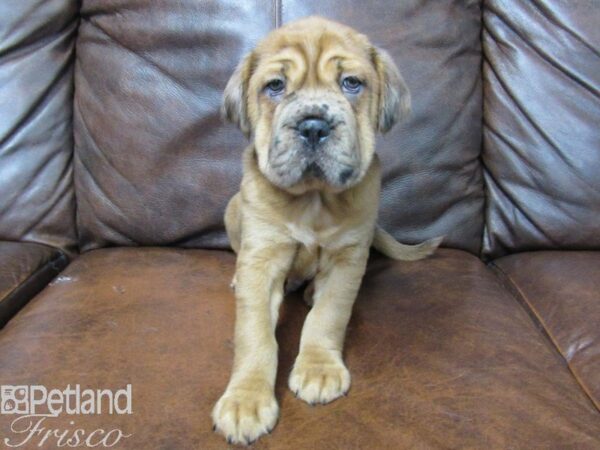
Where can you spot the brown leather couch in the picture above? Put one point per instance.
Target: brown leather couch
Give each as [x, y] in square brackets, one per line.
[113, 157]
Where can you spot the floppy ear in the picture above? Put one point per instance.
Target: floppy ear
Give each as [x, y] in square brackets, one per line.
[394, 96]
[235, 96]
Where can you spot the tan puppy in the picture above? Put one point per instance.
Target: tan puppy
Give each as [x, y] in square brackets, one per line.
[312, 95]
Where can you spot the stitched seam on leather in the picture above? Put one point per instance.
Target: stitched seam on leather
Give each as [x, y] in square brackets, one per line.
[539, 323]
[484, 209]
[74, 152]
[52, 266]
[278, 12]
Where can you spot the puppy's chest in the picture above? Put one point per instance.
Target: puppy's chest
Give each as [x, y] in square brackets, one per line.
[314, 225]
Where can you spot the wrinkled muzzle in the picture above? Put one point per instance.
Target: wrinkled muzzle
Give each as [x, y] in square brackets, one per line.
[314, 138]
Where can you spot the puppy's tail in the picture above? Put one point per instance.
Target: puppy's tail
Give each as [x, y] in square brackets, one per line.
[390, 247]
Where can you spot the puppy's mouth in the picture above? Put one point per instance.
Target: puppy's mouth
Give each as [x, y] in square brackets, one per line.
[295, 167]
[315, 171]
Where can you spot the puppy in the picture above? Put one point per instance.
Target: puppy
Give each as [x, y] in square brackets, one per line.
[312, 96]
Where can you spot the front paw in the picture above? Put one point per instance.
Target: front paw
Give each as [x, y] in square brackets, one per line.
[245, 413]
[319, 376]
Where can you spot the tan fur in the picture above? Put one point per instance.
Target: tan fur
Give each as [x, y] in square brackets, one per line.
[309, 229]
[386, 244]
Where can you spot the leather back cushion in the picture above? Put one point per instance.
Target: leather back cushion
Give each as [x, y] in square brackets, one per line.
[542, 119]
[156, 165]
[37, 41]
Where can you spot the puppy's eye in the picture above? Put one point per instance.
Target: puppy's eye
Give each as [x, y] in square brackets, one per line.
[351, 85]
[275, 87]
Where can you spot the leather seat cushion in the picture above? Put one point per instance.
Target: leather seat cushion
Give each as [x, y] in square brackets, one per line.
[562, 292]
[441, 356]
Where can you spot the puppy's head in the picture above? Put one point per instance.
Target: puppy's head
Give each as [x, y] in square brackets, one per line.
[313, 94]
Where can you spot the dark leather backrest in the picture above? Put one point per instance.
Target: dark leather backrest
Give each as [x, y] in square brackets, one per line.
[542, 121]
[155, 165]
[37, 41]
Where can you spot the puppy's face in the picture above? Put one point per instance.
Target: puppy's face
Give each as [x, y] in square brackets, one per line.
[313, 94]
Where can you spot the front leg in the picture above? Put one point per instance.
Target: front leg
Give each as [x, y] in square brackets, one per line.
[319, 374]
[248, 407]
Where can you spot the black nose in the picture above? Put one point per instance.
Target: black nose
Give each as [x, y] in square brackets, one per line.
[314, 131]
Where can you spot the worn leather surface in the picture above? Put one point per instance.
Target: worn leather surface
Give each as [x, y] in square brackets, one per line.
[156, 165]
[25, 269]
[432, 182]
[562, 292]
[542, 110]
[441, 356]
[37, 40]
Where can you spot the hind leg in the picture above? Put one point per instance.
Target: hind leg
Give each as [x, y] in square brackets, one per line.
[309, 292]
[303, 269]
[233, 226]
[233, 222]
